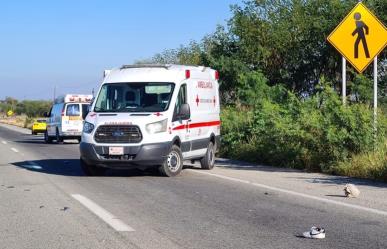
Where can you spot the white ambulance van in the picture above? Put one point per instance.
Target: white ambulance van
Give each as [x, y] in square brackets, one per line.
[65, 119]
[153, 115]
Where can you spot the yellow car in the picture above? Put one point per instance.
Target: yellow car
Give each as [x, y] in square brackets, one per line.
[39, 126]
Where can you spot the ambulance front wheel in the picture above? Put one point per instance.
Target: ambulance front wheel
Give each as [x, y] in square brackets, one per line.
[208, 161]
[173, 164]
[47, 138]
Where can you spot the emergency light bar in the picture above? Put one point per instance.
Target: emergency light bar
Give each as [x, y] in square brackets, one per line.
[74, 98]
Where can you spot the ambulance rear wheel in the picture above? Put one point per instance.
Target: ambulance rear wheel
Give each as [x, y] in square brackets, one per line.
[92, 170]
[173, 164]
[58, 138]
[208, 161]
[47, 138]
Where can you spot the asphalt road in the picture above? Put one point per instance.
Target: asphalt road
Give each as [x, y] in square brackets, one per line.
[46, 202]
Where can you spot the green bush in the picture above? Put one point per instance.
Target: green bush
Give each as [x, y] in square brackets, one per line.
[316, 133]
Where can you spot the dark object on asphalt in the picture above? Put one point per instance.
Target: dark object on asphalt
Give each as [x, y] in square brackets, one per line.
[64, 208]
[10, 187]
[41, 206]
[351, 191]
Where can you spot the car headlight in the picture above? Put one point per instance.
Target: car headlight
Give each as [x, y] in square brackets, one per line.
[157, 127]
[88, 127]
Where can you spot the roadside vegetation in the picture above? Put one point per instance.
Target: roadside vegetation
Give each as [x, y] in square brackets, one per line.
[24, 112]
[281, 84]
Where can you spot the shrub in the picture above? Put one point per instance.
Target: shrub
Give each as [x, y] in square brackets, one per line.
[316, 133]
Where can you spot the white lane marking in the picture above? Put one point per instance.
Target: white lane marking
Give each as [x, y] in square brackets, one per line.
[290, 192]
[14, 150]
[110, 219]
[4, 142]
[32, 165]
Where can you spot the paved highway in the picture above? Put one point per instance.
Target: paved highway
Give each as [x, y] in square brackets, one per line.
[46, 202]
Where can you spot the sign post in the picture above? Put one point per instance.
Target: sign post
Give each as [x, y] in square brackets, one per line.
[375, 98]
[344, 86]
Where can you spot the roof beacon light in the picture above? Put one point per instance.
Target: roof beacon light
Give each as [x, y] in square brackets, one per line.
[187, 74]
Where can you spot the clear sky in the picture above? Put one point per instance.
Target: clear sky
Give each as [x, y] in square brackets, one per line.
[69, 43]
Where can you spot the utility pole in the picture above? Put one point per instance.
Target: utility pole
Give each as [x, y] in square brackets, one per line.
[54, 94]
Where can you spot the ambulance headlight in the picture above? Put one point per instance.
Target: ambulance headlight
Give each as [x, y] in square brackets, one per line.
[88, 127]
[157, 127]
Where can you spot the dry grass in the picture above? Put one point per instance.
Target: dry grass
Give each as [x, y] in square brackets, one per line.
[20, 121]
[371, 165]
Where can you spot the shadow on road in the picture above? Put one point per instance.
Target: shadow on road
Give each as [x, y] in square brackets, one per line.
[71, 167]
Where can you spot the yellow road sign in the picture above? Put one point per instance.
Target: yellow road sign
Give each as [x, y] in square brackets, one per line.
[359, 37]
[9, 113]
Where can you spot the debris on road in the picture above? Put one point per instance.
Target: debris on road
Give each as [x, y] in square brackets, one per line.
[64, 208]
[351, 190]
[11, 187]
[315, 233]
[41, 206]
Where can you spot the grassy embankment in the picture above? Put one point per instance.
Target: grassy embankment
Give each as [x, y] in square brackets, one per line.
[19, 120]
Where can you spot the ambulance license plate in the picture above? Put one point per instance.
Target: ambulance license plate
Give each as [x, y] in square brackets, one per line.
[116, 151]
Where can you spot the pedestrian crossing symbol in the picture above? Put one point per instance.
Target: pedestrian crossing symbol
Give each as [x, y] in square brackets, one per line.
[359, 37]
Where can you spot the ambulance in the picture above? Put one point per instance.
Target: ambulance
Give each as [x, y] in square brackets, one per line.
[153, 116]
[65, 119]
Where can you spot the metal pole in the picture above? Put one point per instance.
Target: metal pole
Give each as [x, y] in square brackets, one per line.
[375, 98]
[344, 74]
[54, 93]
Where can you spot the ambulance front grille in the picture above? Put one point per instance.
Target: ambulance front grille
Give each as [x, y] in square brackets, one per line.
[118, 134]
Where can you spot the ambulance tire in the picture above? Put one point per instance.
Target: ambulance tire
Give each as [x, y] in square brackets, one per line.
[173, 164]
[58, 138]
[92, 170]
[47, 138]
[208, 161]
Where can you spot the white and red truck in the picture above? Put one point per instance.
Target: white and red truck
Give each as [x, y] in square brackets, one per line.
[153, 115]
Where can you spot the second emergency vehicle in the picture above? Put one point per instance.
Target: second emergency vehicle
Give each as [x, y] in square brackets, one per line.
[65, 119]
[153, 115]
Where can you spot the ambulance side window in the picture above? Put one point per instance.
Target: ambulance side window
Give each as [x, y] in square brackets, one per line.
[181, 99]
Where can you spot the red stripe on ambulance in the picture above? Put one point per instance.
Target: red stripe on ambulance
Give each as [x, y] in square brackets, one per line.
[197, 125]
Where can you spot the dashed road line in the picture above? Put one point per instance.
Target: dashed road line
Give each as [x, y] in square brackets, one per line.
[4, 142]
[103, 214]
[32, 165]
[294, 193]
[14, 150]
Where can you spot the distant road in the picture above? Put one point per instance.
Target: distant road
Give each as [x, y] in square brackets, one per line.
[46, 202]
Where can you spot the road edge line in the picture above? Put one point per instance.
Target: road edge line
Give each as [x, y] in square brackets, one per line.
[290, 192]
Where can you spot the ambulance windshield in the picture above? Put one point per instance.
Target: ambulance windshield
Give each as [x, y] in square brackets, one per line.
[134, 97]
